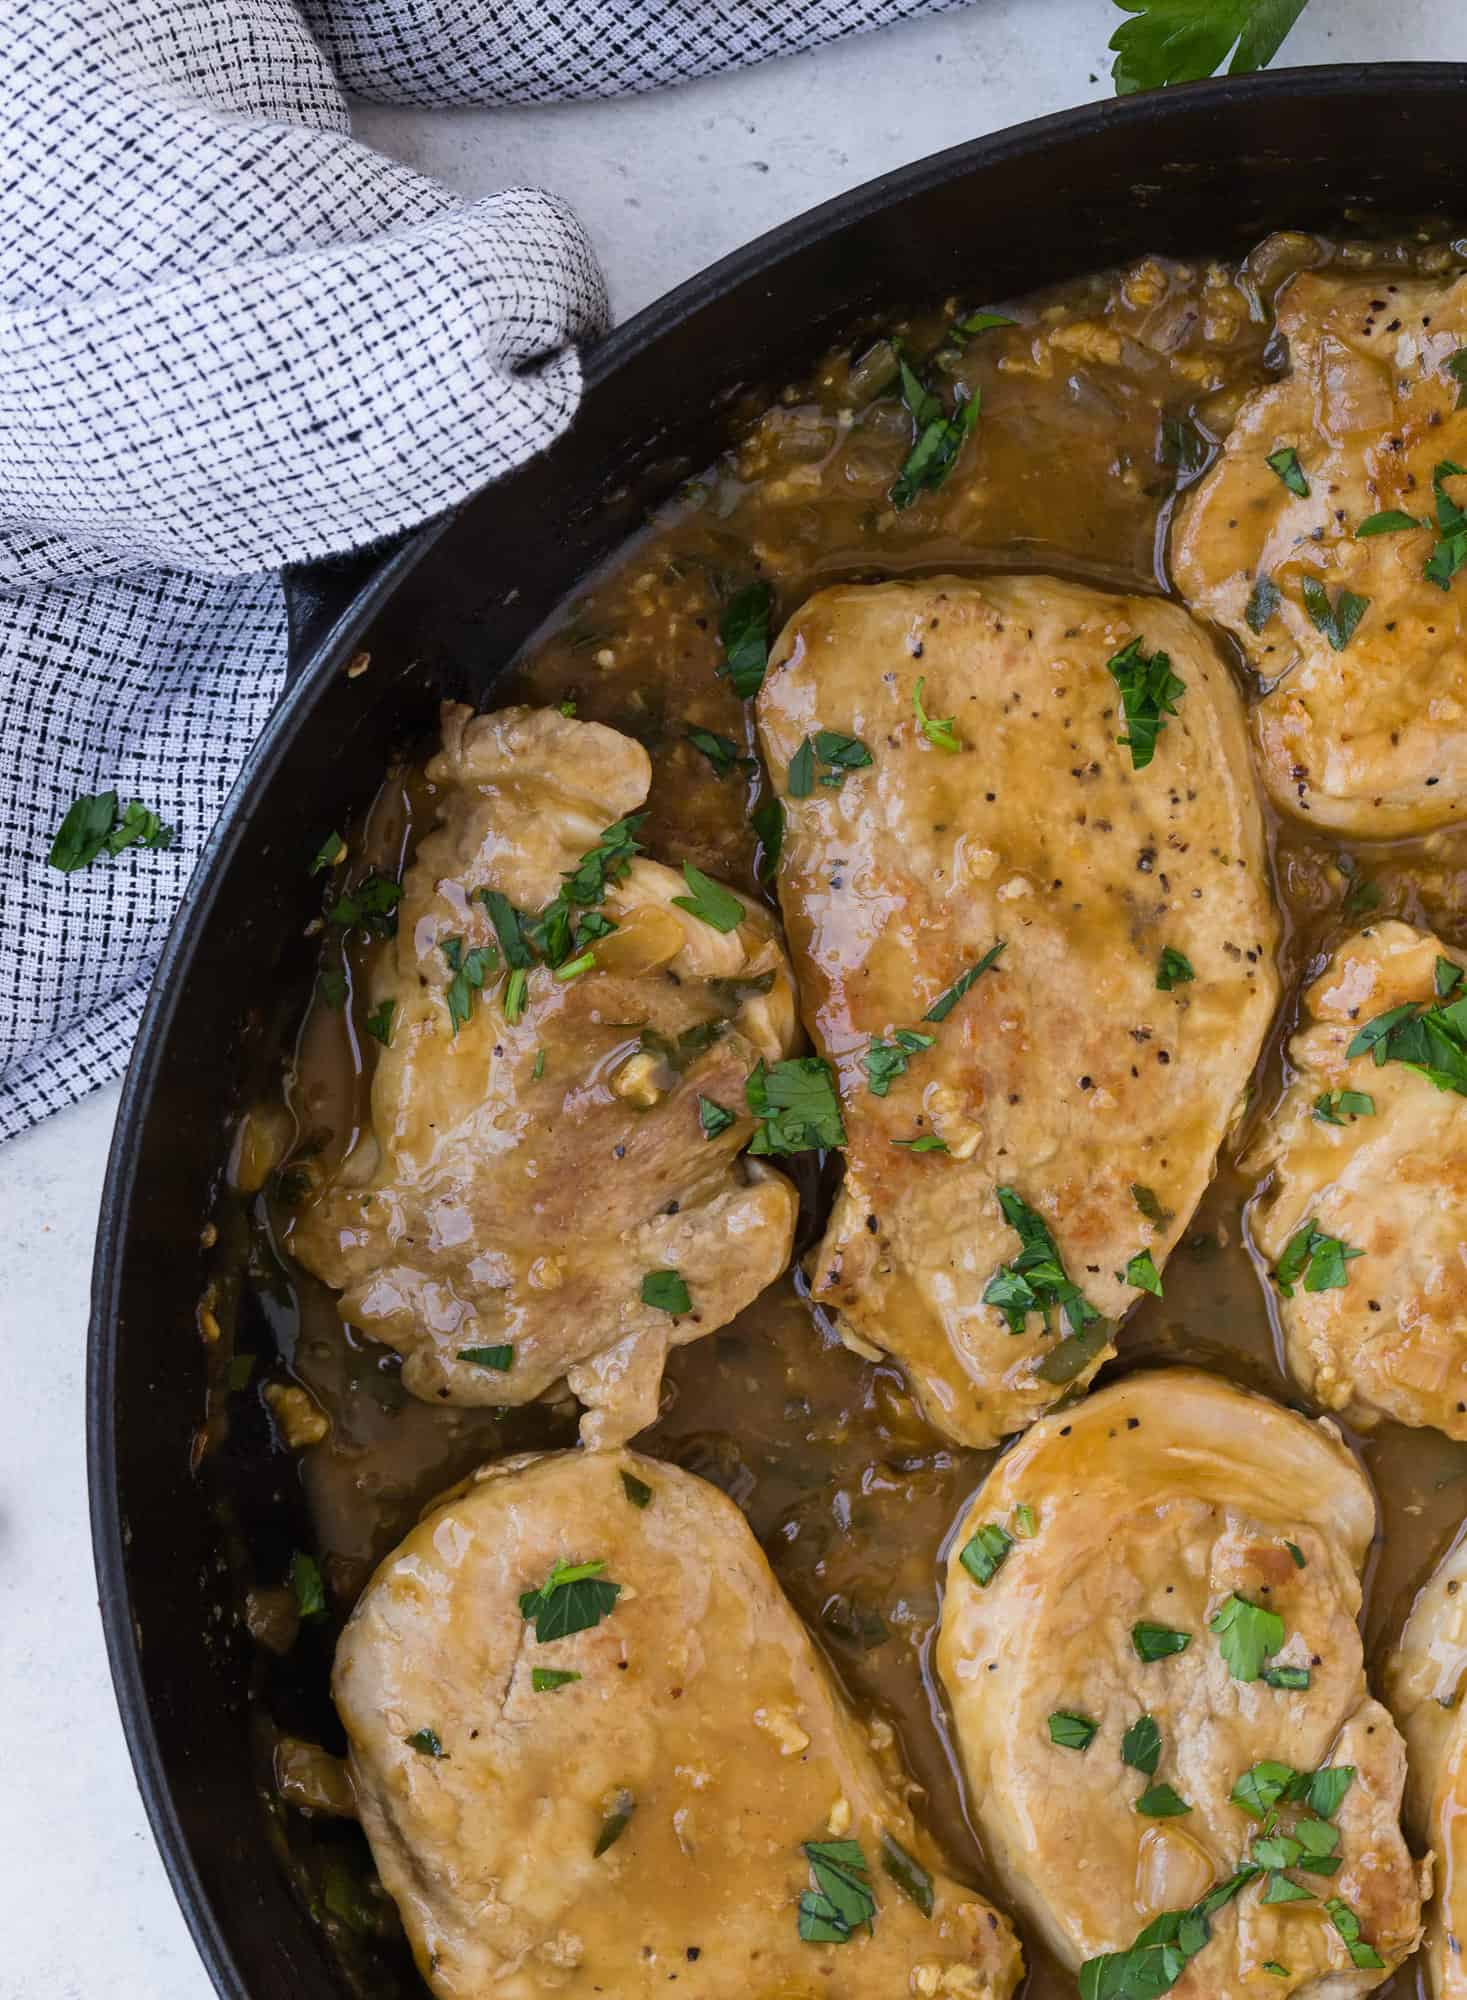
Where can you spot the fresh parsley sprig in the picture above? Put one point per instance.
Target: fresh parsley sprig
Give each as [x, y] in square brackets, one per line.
[1180, 41]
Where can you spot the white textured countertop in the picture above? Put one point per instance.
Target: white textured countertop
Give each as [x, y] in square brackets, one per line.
[666, 184]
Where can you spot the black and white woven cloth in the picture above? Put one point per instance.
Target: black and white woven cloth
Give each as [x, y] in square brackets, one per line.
[230, 338]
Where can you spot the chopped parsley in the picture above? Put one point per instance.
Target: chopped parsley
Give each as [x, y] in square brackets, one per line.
[1284, 463]
[837, 752]
[884, 1062]
[1149, 694]
[1391, 522]
[1347, 1924]
[666, 1291]
[797, 1106]
[1456, 367]
[1157, 1642]
[557, 932]
[1025, 1524]
[1161, 1802]
[1337, 618]
[1173, 968]
[767, 821]
[1450, 552]
[1296, 1554]
[1159, 1957]
[986, 1552]
[1146, 1200]
[1247, 1634]
[507, 928]
[614, 1825]
[709, 901]
[1072, 1732]
[1036, 1280]
[1280, 1889]
[573, 1598]
[1263, 601]
[306, 1586]
[1321, 1260]
[842, 1899]
[545, 1680]
[721, 751]
[469, 969]
[379, 1023]
[1446, 978]
[925, 1142]
[93, 826]
[426, 1742]
[714, 1117]
[940, 731]
[332, 985]
[1286, 1677]
[938, 437]
[944, 1004]
[1335, 1106]
[500, 1359]
[329, 854]
[744, 632]
[1260, 1788]
[1141, 1746]
[1142, 1272]
[539, 1068]
[371, 905]
[636, 1490]
[516, 991]
[908, 1873]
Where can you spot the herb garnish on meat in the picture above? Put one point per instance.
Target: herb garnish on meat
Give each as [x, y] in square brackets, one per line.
[1149, 694]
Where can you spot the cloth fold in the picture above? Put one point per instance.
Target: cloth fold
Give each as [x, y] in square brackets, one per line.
[231, 338]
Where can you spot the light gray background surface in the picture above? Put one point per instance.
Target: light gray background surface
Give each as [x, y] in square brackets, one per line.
[665, 184]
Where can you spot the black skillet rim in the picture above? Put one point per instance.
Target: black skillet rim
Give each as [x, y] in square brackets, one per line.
[329, 651]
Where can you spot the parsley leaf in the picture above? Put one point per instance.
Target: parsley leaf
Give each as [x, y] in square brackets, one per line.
[1450, 552]
[516, 990]
[1281, 1890]
[582, 888]
[1157, 1642]
[1320, 1258]
[986, 1552]
[767, 821]
[710, 902]
[371, 905]
[469, 969]
[1174, 968]
[1036, 1280]
[1337, 620]
[329, 854]
[1335, 1106]
[713, 1117]
[499, 1358]
[940, 731]
[666, 1291]
[1286, 1677]
[908, 1874]
[884, 1062]
[925, 1142]
[1446, 977]
[1161, 1802]
[1158, 1958]
[332, 985]
[1456, 367]
[93, 826]
[1150, 1206]
[721, 751]
[944, 1004]
[614, 1825]
[507, 928]
[306, 1585]
[800, 780]
[842, 1899]
[1285, 462]
[1141, 1746]
[1149, 694]
[1260, 1788]
[1071, 1732]
[744, 631]
[573, 1598]
[1178, 41]
[797, 1106]
[1391, 522]
[1263, 601]
[1347, 1924]
[636, 1490]
[379, 1023]
[1142, 1272]
[938, 440]
[545, 1680]
[1247, 1634]
[426, 1742]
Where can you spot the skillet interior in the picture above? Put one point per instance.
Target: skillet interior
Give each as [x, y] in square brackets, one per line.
[1212, 168]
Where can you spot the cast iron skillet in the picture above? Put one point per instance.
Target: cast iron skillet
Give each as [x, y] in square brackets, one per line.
[1209, 168]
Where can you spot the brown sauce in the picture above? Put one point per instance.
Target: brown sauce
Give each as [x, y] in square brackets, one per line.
[1109, 392]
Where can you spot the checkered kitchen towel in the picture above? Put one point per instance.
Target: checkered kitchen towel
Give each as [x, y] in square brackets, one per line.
[231, 338]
